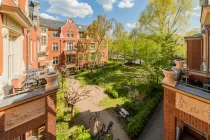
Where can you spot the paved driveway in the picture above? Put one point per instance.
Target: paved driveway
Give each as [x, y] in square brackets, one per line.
[154, 128]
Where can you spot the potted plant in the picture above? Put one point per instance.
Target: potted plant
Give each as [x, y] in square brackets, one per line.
[179, 63]
[169, 76]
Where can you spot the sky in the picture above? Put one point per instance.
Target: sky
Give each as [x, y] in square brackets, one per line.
[84, 12]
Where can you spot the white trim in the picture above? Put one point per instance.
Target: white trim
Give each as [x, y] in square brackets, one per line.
[0, 2]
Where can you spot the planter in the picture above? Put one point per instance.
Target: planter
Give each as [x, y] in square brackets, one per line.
[52, 81]
[169, 76]
[179, 64]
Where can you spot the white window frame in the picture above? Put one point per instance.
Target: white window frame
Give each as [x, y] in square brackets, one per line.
[70, 59]
[92, 46]
[82, 57]
[44, 40]
[102, 55]
[85, 46]
[55, 60]
[44, 30]
[72, 34]
[69, 46]
[53, 47]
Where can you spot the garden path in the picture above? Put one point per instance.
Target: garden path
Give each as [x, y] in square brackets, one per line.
[154, 128]
[90, 106]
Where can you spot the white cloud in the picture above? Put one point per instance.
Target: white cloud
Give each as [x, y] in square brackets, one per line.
[126, 4]
[195, 12]
[107, 4]
[44, 15]
[131, 25]
[70, 8]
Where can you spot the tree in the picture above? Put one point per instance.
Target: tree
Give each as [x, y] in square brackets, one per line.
[74, 96]
[134, 37]
[118, 34]
[64, 73]
[98, 30]
[162, 21]
[165, 17]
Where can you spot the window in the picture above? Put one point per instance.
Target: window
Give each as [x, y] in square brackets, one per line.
[44, 40]
[85, 46]
[55, 60]
[80, 46]
[69, 47]
[92, 56]
[44, 30]
[102, 55]
[68, 34]
[85, 57]
[72, 34]
[70, 59]
[69, 26]
[55, 47]
[93, 46]
[55, 34]
[80, 57]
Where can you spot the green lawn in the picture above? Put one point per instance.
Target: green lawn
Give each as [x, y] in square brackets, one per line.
[128, 86]
[110, 102]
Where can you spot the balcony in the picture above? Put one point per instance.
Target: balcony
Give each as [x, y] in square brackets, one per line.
[36, 83]
[70, 52]
[187, 80]
[205, 15]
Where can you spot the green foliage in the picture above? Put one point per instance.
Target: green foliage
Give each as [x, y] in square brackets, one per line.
[111, 92]
[80, 133]
[62, 132]
[136, 125]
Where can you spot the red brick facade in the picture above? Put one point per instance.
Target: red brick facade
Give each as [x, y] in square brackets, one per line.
[174, 117]
[169, 115]
[48, 119]
[51, 117]
[63, 39]
[1, 46]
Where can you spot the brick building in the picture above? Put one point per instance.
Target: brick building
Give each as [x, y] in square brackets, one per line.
[187, 89]
[27, 109]
[65, 43]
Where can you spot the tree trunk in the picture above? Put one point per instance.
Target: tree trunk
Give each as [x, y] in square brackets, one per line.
[72, 111]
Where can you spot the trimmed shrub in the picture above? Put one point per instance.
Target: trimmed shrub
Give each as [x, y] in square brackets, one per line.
[111, 92]
[136, 125]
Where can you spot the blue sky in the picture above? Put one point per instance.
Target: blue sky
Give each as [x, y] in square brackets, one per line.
[85, 11]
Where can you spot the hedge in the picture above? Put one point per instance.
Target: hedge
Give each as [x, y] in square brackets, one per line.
[136, 125]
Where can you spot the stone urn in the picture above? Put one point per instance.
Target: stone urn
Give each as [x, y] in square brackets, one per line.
[204, 66]
[169, 76]
[179, 64]
[52, 80]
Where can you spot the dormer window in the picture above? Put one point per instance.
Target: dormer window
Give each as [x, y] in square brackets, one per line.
[44, 30]
[68, 34]
[55, 34]
[72, 34]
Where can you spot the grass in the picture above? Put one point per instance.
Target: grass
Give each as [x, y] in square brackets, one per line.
[109, 102]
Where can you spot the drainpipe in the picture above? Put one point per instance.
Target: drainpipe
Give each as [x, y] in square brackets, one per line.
[27, 50]
[207, 50]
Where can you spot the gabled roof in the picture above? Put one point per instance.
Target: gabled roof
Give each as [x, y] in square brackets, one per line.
[56, 24]
[199, 35]
[52, 24]
[81, 27]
